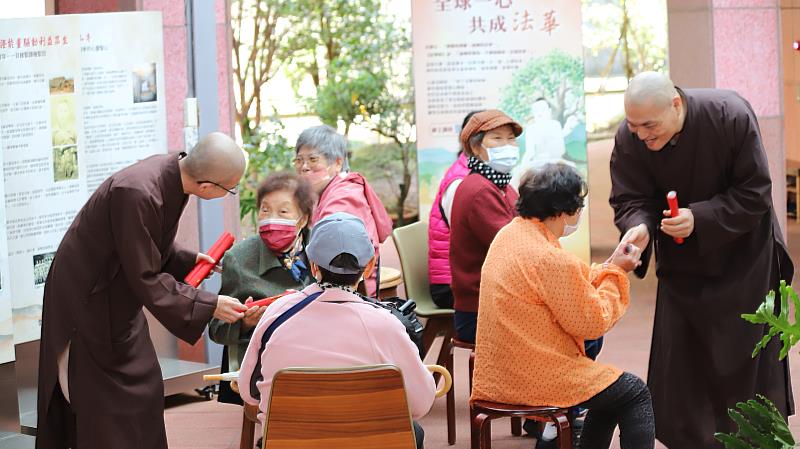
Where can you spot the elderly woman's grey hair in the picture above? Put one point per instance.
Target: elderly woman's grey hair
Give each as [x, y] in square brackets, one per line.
[325, 140]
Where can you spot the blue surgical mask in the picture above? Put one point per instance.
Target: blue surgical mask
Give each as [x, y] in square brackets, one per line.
[503, 158]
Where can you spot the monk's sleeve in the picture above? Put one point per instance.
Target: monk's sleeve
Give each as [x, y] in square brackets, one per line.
[592, 300]
[632, 196]
[180, 261]
[136, 226]
[740, 208]
[220, 331]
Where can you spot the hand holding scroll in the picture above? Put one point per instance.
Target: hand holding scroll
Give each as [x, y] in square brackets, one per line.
[252, 315]
[206, 258]
[229, 309]
[678, 227]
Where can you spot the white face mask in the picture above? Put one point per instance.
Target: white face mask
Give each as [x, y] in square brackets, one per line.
[503, 158]
[570, 229]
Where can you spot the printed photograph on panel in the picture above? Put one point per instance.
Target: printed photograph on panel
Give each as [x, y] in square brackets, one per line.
[62, 120]
[144, 83]
[62, 85]
[41, 265]
[65, 163]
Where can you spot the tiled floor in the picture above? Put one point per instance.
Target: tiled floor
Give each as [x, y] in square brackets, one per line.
[197, 424]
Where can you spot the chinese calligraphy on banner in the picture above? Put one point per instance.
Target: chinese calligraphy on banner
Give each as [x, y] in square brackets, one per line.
[521, 56]
[81, 97]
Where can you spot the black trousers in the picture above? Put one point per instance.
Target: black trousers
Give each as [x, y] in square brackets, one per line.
[419, 435]
[626, 403]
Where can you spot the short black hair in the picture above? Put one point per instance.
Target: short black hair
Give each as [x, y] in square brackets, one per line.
[343, 260]
[550, 191]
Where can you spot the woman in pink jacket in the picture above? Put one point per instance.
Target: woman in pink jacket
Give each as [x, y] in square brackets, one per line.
[439, 275]
[320, 156]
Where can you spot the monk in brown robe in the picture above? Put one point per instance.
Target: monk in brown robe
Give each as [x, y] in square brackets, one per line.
[100, 385]
[705, 144]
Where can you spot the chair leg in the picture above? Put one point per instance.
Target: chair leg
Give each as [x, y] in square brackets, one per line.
[486, 433]
[478, 425]
[516, 426]
[471, 369]
[451, 399]
[447, 331]
[248, 433]
[564, 430]
[433, 327]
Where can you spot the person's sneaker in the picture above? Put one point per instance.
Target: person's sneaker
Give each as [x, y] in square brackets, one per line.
[550, 432]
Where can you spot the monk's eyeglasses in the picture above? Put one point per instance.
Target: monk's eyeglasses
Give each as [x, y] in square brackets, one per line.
[232, 191]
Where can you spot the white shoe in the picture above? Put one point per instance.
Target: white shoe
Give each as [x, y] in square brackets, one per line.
[550, 432]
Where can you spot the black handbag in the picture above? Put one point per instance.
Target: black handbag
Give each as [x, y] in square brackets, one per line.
[403, 310]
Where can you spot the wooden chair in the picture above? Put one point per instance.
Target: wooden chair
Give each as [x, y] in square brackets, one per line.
[355, 407]
[516, 422]
[249, 421]
[412, 246]
[483, 412]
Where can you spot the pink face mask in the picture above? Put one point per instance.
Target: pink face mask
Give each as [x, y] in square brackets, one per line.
[278, 233]
[317, 176]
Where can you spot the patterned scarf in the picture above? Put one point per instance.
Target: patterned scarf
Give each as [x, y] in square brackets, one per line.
[292, 260]
[347, 288]
[501, 180]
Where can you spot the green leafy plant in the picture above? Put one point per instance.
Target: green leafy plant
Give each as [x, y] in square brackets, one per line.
[780, 324]
[760, 424]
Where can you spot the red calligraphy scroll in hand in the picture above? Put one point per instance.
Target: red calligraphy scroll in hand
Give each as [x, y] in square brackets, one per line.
[201, 270]
[672, 200]
[267, 301]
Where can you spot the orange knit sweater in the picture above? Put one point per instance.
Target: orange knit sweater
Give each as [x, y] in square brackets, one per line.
[537, 305]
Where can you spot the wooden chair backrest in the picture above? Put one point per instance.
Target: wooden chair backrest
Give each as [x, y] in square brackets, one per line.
[356, 408]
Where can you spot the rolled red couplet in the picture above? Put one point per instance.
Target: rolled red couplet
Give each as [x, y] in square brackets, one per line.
[672, 200]
[268, 301]
[217, 250]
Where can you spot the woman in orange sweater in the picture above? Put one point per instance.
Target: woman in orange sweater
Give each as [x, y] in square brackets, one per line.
[538, 305]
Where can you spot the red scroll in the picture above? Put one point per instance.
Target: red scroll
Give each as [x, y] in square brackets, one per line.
[201, 270]
[672, 200]
[268, 301]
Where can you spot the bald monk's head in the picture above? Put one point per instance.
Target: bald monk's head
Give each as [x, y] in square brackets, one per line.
[213, 168]
[654, 109]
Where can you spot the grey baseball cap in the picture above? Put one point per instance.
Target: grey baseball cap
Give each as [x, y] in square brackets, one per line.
[336, 234]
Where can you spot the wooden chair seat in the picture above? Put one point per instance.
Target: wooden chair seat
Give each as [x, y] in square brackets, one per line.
[483, 412]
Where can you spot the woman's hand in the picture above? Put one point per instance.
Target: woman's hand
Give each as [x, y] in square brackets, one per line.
[626, 256]
[252, 315]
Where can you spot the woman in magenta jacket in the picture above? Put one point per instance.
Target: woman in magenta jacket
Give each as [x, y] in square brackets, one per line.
[439, 229]
[483, 203]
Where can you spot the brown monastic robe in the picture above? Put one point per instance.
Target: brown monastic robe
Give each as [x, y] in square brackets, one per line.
[116, 257]
[700, 357]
